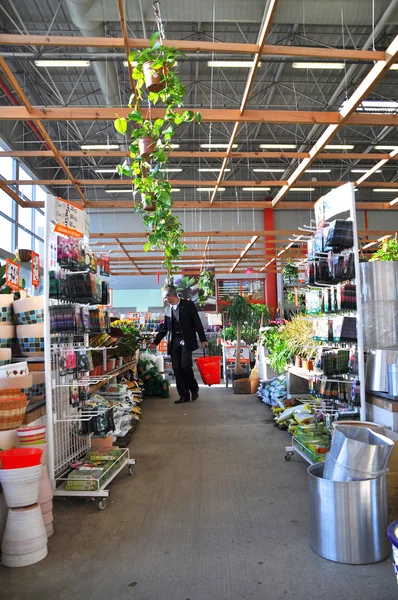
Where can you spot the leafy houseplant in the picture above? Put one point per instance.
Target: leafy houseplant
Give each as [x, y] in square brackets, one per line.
[206, 286]
[290, 272]
[239, 313]
[155, 67]
[184, 287]
[229, 333]
[388, 251]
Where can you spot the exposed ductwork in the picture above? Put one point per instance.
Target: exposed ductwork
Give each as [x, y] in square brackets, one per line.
[79, 11]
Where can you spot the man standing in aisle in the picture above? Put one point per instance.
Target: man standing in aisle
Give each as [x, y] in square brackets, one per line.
[181, 325]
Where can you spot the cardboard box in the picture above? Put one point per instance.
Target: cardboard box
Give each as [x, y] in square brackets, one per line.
[246, 386]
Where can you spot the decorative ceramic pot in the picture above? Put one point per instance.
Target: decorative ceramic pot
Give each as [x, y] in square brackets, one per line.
[6, 302]
[31, 339]
[7, 335]
[21, 486]
[29, 311]
[25, 538]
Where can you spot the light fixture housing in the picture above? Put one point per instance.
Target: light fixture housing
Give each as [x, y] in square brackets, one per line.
[364, 170]
[217, 145]
[292, 146]
[231, 64]
[318, 65]
[266, 170]
[302, 189]
[385, 190]
[211, 189]
[318, 170]
[106, 170]
[212, 170]
[62, 63]
[339, 147]
[256, 189]
[100, 147]
[386, 147]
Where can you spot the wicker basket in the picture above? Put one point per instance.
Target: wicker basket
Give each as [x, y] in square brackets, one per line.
[12, 410]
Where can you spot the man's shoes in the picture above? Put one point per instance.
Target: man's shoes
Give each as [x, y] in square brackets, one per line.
[181, 401]
[195, 396]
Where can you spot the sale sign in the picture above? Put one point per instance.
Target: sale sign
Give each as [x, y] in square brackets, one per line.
[35, 269]
[70, 219]
[12, 275]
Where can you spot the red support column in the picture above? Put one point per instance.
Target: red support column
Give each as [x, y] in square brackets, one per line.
[270, 282]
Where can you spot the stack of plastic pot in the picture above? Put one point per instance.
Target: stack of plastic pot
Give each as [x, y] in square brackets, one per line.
[25, 540]
[35, 437]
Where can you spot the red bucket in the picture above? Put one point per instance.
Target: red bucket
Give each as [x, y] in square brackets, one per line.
[18, 458]
[209, 369]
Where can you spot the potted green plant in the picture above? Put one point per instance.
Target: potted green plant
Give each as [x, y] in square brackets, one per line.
[387, 251]
[239, 313]
[184, 287]
[206, 286]
[290, 272]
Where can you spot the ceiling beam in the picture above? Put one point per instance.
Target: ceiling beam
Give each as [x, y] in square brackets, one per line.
[368, 83]
[223, 115]
[39, 125]
[129, 258]
[193, 46]
[123, 24]
[332, 155]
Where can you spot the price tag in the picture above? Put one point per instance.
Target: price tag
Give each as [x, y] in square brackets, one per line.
[35, 269]
[70, 219]
[12, 274]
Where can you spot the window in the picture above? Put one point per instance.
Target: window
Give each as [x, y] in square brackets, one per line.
[6, 204]
[6, 228]
[253, 290]
[39, 248]
[39, 223]
[25, 240]
[6, 166]
[25, 217]
[41, 194]
[25, 190]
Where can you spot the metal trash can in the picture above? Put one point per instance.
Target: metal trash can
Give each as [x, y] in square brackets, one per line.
[348, 519]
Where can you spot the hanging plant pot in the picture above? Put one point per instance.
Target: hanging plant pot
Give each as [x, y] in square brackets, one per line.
[152, 77]
[148, 204]
[23, 255]
[146, 146]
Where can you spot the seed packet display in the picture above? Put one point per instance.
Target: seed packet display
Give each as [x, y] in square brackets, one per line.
[82, 361]
[84, 395]
[340, 235]
[71, 362]
[74, 395]
[62, 361]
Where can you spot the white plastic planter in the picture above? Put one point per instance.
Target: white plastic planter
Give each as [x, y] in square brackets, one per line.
[24, 560]
[24, 534]
[21, 486]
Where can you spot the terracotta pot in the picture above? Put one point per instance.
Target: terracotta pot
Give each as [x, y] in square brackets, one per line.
[153, 77]
[297, 361]
[148, 205]
[110, 364]
[307, 365]
[146, 146]
[45, 490]
[49, 529]
[310, 365]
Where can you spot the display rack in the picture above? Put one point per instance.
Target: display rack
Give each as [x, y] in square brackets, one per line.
[336, 203]
[66, 441]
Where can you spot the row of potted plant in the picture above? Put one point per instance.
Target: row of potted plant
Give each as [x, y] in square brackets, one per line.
[155, 68]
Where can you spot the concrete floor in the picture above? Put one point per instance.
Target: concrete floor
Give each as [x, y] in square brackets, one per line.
[213, 512]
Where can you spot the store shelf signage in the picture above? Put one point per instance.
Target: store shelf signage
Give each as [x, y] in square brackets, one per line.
[12, 274]
[69, 219]
[35, 269]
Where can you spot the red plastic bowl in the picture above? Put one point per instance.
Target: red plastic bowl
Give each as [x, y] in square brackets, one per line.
[18, 458]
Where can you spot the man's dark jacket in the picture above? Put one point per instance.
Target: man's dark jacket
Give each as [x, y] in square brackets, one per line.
[190, 324]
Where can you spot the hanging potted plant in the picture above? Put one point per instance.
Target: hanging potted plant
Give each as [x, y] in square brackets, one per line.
[206, 286]
[155, 68]
[239, 312]
[290, 272]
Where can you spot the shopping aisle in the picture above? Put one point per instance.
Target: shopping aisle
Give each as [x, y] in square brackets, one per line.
[214, 512]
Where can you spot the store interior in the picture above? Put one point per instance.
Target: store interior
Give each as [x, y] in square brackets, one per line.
[198, 299]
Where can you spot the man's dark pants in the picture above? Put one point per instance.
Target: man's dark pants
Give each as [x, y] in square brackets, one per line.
[181, 361]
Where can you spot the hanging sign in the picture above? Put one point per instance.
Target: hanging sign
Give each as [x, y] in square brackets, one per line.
[12, 274]
[337, 201]
[35, 269]
[69, 219]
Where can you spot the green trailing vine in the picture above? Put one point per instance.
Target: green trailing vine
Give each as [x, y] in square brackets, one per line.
[151, 145]
[388, 251]
[206, 286]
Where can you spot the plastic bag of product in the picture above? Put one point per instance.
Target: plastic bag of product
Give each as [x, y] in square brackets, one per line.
[357, 454]
[302, 409]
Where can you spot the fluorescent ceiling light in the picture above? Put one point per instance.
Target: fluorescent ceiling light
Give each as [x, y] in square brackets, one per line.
[386, 147]
[364, 170]
[171, 170]
[220, 189]
[377, 105]
[121, 191]
[394, 67]
[278, 145]
[212, 170]
[268, 170]
[105, 170]
[256, 189]
[231, 63]
[133, 64]
[394, 201]
[318, 65]
[176, 189]
[217, 145]
[100, 147]
[318, 170]
[174, 145]
[383, 190]
[62, 63]
[303, 189]
[339, 147]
